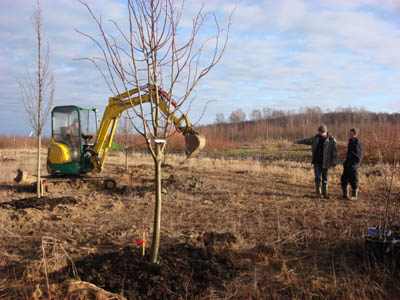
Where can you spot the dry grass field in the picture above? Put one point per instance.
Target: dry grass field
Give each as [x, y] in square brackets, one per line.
[231, 229]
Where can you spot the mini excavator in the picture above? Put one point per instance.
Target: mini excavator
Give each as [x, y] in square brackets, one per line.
[72, 152]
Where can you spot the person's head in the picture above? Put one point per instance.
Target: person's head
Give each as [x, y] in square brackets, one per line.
[322, 130]
[353, 132]
[75, 123]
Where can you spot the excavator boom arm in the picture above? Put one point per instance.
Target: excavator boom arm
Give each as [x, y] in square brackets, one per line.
[126, 100]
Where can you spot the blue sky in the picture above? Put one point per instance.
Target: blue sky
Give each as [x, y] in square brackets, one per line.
[281, 54]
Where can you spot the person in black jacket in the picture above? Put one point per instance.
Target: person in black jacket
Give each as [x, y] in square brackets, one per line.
[324, 156]
[351, 165]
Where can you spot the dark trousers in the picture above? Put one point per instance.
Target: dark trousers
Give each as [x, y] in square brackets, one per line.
[350, 176]
[319, 172]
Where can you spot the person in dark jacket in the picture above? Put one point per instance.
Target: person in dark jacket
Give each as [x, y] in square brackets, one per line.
[324, 156]
[351, 165]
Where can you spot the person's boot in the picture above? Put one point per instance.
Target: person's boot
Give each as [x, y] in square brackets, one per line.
[325, 190]
[345, 192]
[318, 190]
[354, 194]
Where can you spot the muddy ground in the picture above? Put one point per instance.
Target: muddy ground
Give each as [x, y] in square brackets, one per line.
[230, 230]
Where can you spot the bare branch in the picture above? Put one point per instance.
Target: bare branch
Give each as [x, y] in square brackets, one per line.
[37, 91]
[150, 50]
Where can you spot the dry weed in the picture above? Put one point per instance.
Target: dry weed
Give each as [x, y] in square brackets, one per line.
[284, 243]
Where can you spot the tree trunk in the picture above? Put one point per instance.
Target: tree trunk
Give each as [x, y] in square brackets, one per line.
[40, 95]
[126, 158]
[157, 206]
[38, 185]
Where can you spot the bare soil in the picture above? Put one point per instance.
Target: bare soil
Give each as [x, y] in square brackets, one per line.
[230, 230]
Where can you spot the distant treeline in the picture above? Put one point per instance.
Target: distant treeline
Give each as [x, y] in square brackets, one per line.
[287, 125]
[21, 142]
[379, 131]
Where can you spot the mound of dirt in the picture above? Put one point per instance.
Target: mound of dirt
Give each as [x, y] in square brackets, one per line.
[183, 271]
[39, 203]
[184, 182]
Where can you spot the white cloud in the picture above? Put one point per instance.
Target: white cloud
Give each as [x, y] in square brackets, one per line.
[291, 14]
[288, 53]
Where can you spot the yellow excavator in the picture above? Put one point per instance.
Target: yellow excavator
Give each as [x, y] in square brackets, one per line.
[72, 152]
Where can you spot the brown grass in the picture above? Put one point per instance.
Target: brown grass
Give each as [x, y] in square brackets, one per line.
[288, 244]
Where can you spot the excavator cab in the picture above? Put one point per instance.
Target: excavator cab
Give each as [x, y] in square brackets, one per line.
[73, 129]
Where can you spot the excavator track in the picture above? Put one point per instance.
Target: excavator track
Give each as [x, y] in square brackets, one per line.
[108, 183]
[49, 180]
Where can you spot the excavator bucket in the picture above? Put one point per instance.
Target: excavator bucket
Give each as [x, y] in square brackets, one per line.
[194, 143]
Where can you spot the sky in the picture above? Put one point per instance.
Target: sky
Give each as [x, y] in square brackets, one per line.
[285, 55]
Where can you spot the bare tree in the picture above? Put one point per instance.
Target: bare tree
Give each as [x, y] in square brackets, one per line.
[267, 112]
[151, 50]
[219, 118]
[256, 115]
[125, 129]
[37, 89]
[237, 116]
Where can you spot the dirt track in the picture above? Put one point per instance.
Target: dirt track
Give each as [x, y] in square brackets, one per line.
[229, 229]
